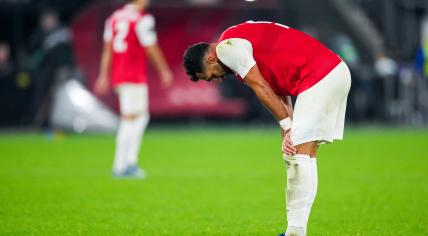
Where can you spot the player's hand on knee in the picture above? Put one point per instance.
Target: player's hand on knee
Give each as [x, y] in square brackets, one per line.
[287, 145]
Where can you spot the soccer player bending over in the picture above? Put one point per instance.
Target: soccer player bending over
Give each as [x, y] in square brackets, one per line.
[277, 62]
[129, 36]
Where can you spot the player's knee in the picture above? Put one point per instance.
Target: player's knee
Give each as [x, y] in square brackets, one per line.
[296, 159]
[314, 150]
[307, 148]
[142, 118]
[130, 117]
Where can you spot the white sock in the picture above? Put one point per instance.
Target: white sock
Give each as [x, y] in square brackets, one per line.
[298, 193]
[139, 126]
[123, 138]
[314, 185]
[295, 231]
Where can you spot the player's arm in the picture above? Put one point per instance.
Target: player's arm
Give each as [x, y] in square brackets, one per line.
[156, 57]
[105, 61]
[280, 108]
[287, 145]
[265, 94]
[288, 105]
[146, 33]
[237, 54]
[102, 84]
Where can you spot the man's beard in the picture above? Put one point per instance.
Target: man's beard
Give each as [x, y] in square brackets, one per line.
[227, 71]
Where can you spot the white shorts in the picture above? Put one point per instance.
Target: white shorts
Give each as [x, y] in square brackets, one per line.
[319, 112]
[133, 99]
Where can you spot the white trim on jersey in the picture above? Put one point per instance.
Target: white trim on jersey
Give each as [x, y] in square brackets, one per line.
[145, 30]
[108, 31]
[237, 54]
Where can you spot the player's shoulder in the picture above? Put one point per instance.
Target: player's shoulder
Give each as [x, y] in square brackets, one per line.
[232, 42]
[146, 21]
[232, 45]
[228, 49]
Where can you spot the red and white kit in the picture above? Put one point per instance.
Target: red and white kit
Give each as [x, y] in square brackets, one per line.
[294, 64]
[129, 31]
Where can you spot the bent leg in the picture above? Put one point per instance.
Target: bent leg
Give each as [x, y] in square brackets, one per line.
[307, 148]
[297, 193]
[301, 187]
[318, 117]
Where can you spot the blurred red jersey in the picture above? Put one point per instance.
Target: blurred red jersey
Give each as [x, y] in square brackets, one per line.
[289, 60]
[129, 31]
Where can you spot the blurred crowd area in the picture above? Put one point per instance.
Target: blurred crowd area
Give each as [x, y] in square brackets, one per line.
[46, 43]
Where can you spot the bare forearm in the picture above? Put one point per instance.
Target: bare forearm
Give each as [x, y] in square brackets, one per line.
[156, 58]
[271, 101]
[105, 61]
[286, 102]
[265, 94]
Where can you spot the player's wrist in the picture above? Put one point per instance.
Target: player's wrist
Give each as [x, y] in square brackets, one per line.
[285, 123]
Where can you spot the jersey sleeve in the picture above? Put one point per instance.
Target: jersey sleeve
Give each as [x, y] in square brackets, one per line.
[108, 31]
[237, 54]
[145, 30]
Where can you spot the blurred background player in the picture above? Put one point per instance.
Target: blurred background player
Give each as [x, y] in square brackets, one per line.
[277, 62]
[50, 52]
[129, 36]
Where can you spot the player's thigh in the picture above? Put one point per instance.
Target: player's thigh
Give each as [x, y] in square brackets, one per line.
[133, 99]
[311, 118]
[307, 148]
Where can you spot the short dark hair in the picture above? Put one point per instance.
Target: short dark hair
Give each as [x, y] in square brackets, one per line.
[193, 59]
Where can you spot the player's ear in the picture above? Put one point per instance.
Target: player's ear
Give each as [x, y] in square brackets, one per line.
[212, 59]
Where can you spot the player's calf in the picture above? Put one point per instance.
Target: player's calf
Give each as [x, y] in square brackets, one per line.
[298, 193]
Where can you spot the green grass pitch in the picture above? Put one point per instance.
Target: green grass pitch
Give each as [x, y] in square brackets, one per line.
[211, 182]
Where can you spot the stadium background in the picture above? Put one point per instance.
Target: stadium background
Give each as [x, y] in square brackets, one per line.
[211, 151]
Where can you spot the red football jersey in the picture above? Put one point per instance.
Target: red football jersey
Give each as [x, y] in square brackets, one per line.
[289, 60]
[129, 30]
